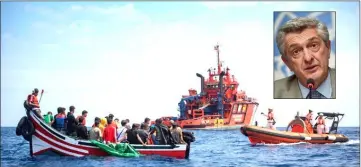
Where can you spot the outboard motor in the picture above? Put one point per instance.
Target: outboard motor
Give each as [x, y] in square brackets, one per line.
[220, 95]
[202, 83]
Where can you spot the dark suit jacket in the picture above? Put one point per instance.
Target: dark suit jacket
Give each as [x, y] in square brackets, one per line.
[287, 88]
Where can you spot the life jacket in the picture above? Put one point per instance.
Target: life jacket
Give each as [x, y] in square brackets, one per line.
[60, 121]
[33, 99]
[320, 121]
[84, 120]
[270, 116]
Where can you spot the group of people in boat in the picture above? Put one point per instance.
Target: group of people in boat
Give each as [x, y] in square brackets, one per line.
[321, 126]
[108, 129]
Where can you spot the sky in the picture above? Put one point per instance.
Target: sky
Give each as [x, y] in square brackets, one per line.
[136, 59]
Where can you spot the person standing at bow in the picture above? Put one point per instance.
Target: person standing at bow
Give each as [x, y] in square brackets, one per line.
[33, 102]
[270, 119]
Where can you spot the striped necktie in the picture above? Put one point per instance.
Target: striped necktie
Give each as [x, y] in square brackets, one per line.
[317, 95]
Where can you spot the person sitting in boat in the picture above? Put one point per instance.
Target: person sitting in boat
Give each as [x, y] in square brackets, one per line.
[133, 135]
[72, 123]
[81, 130]
[60, 120]
[270, 119]
[48, 118]
[103, 123]
[177, 133]
[111, 116]
[33, 102]
[144, 133]
[162, 136]
[309, 117]
[95, 133]
[110, 132]
[121, 132]
[321, 126]
[84, 114]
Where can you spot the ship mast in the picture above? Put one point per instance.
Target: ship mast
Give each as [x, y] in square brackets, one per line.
[218, 62]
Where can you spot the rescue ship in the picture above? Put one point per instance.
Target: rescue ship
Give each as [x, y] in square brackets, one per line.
[219, 105]
[298, 130]
[43, 139]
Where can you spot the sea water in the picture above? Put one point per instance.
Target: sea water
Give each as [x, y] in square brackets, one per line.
[211, 149]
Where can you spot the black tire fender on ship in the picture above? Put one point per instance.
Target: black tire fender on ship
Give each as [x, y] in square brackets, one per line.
[25, 128]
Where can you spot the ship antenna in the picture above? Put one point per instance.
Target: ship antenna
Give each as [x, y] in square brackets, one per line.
[218, 62]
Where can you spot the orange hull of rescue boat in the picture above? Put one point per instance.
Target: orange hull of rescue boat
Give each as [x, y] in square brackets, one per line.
[258, 135]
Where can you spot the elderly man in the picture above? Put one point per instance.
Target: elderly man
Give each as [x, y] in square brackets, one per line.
[305, 48]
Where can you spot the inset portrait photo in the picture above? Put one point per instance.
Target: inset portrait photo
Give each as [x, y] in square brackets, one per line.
[304, 55]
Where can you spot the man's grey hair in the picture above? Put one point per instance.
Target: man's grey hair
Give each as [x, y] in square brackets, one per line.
[298, 25]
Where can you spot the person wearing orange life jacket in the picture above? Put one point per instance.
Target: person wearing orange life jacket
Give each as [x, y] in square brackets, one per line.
[33, 102]
[270, 119]
[309, 117]
[321, 126]
[84, 114]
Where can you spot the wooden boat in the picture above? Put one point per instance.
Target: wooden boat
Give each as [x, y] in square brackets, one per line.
[219, 105]
[43, 139]
[298, 130]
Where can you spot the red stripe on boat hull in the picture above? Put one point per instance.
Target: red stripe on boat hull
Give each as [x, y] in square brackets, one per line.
[175, 154]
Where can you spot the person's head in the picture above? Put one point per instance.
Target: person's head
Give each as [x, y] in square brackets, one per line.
[109, 121]
[103, 121]
[72, 109]
[50, 113]
[147, 120]
[59, 110]
[84, 113]
[144, 126]
[320, 115]
[123, 123]
[158, 121]
[174, 124]
[111, 116]
[270, 109]
[305, 48]
[36, 91]
[127, 120]
[96, 121]
[135, 126]
[81, 119]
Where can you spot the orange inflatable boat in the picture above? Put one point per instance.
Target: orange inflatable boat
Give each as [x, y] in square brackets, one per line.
[298, 130]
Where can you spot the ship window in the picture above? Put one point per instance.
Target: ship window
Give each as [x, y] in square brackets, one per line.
[235, 106]
[244, 108]
[239, 108]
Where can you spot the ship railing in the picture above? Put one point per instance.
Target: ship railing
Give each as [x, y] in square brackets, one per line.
[208, 116]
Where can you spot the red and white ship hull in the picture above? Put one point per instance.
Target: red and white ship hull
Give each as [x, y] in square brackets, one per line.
[48, 140]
